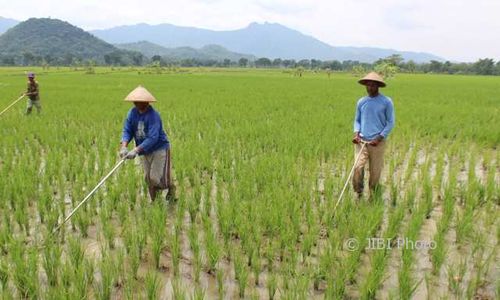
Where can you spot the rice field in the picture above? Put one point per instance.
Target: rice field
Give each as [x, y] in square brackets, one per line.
[259, 159]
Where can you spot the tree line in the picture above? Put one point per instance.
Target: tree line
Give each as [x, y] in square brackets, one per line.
[114, 58]
[393, 63]
[388, 65]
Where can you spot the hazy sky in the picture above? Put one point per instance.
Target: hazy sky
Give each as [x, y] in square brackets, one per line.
[459, 30]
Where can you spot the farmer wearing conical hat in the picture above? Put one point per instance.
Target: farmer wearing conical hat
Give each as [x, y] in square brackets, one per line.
[144, 124]
[373, 122]
[33, 93]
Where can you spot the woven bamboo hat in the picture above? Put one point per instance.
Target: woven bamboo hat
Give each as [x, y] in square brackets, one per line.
[140, 94]
[372, 76]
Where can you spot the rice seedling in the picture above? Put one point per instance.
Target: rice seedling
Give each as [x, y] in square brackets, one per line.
[438, 254]
[370, 286]
[25, 270]
[52, 262]
[5, 236]
[178, 290]
[407, 284]
[195, 247]
[130, 287]
[21, 217]
[108, 272]
[256, 268]
[108, 229]
[142, 234]
[159, 234]
[336, 285]
[134, 260]
[456, 277]
[199, 293]
[219, 275]
[197, 265]
[464, 225]
[394, 193]
[212, 247]
[175, 250]
[427, 195]
[272, 285]
[129, 235]
[152, 283]
[83, 277]
[123, 211]
[4, 273]
[410, 198]
[83, 223]
[241, 273]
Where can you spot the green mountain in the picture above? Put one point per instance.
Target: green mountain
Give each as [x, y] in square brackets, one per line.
[147, 48]
[53, 41]
[219, 51]
[209, 52]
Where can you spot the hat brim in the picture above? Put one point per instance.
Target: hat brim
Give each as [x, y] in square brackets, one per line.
[140, 100]
[364, 81]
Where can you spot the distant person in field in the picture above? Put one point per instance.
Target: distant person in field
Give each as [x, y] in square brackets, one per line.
[33, 93]
[144, 125]
[373, 123]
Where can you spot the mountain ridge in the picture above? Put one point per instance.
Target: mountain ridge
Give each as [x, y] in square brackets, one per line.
[271, 40]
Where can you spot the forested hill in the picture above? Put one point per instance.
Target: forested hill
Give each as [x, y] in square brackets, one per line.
[209, 52]
[52, 39]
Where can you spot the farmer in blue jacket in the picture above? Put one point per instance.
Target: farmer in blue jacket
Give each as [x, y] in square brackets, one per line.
[144, 124]
[373, 121]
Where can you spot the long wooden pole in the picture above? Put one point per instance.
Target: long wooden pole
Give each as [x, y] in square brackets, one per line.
[7, 108]
[90, 194]
[350, 174]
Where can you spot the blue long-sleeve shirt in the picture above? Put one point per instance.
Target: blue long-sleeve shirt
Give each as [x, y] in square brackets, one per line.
[374, 116]
[146, 129]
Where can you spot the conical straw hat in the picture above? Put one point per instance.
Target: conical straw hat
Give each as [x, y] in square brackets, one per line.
[140, 94]
[372, 76]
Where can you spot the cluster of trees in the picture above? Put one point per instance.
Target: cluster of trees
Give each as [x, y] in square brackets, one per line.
[114, 58]
[192, 62]
[388, 65]
[485, 66]
[262, 62]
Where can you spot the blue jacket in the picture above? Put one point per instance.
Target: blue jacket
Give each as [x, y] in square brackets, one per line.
[146, 129]
[374, 116]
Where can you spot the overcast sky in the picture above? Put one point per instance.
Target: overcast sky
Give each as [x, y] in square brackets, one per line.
[458, 30]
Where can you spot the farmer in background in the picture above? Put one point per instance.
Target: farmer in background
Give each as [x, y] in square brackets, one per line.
[373, 122]
[33, 93]
[144, 124]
